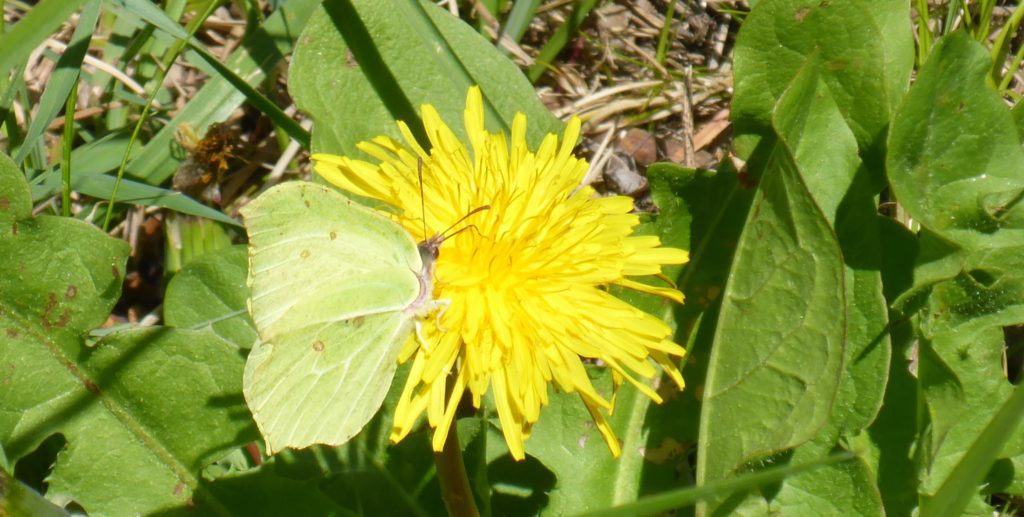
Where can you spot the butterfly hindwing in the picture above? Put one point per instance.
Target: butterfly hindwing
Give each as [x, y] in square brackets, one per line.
[329, 281]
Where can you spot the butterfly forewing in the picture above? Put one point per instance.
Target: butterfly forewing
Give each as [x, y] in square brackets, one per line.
[329, 283]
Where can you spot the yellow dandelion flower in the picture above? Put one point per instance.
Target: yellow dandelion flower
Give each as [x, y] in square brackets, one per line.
[525, 287]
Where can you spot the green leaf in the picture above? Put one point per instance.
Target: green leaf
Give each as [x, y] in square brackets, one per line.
[960, 366]
[210, 292]
[775, 366]
[119, 405]
[688, 496]
[703, 211]
[809, 122]
[955, 154]
[358, 68]
[18, 499]
[959, 488]
[566, 441]
[866, 52]
[218, 98]
[893, 435]
[263, 491]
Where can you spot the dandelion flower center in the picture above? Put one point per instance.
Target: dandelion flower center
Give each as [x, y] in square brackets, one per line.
[524, 282]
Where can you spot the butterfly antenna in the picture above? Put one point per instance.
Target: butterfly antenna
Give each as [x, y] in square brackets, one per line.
[471, 212]
[423, 198]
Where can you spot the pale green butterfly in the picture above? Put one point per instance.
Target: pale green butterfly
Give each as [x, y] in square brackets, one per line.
[336, 289]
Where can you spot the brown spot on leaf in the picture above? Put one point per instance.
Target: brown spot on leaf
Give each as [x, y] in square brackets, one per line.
[307, 203]
[71, 292]
[4, 203]
[304, 254]
[117, 274]
[350, 59]
[91, 386]
[358, 321]
[14, 228]
[801, 14]
[318, 345]
[334, 235]
[49, 320]
[178, 489]
[12, 332]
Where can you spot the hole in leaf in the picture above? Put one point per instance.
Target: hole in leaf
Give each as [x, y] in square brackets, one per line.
[519, 487]
[33, 468]
[1013, 339]
[982, 277]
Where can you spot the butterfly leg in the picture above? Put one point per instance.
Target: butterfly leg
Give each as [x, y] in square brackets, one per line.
[418, 325]
[443, 304]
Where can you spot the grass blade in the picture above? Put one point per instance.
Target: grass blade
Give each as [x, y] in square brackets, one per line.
[559, 40]
[69, 136]
[101, 186]
[519, 19]
[63, 80]
[33, 29]
[218, 98]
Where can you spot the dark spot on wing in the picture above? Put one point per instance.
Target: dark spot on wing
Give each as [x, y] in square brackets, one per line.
[318, 345]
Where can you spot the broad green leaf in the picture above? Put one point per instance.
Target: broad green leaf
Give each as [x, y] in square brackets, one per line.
[957, 491]
[809, 123]
[17, 499]
[262, 491]
[210, 292]
[960, 366]
[703, 211]
[121, 404]
[566, 441]
[776, 361]
[955, 154]
[865, 50]
[335, 289]
[893, 434]
[64, 78]
[41, 21]
[682, 497]
[358, 68]
[257, 54]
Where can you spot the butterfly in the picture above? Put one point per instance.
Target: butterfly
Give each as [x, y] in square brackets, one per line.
[335, 290]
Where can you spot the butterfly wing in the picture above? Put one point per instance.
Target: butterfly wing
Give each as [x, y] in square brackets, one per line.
[329, 280]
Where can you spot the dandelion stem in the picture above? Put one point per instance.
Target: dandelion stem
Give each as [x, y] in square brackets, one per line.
[451, 472]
